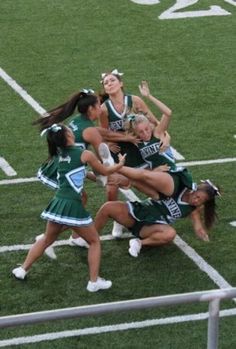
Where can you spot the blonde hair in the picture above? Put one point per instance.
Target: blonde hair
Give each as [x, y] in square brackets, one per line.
[132, 120]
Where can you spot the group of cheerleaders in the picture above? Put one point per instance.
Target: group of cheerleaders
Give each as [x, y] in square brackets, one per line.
[131, 148]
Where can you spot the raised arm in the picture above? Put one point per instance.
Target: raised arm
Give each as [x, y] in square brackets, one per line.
[140, 106]
[166, 111]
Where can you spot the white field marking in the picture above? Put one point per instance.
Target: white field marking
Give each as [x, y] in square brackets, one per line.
[182, 245]
[231, 2]
[206, 162]
[22, 247]
[201, 263]
[18, 89]
[112, 328]
[19, 180]
[176, 154]
[233, 223]
[35, 105]
[7, 169]
[189, 163]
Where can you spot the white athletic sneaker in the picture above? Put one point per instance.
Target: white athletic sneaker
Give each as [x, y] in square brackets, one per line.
[49, 250]
[134, 247]
[78, 242]
[129, 194]
[105, 155]
[100, 284]
[19, 273]
[117, 230]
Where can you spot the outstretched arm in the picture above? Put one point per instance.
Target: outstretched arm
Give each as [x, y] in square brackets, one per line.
[198, 226]
[91, 159]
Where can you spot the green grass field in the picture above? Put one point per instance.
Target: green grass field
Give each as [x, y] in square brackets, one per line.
[54, 48]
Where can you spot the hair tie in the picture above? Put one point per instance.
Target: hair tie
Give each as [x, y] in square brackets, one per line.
[213, 186]
[54, 128]
[113, 72]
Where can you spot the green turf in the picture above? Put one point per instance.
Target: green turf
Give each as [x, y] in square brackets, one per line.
[54, 48]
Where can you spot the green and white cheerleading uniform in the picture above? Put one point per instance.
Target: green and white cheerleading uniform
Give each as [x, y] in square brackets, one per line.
[164, 211]
[66, 207]
[47, 173]
[150, 152]
[116, 123]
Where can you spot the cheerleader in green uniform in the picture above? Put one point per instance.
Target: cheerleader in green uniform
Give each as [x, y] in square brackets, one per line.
[86, 134]
[150, 220]
[117, 104]
[66, 207]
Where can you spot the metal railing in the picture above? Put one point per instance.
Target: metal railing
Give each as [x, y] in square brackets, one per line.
[213, 297]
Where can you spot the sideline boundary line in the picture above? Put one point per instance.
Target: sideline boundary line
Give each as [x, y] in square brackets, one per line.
[112, 328]
[181, 244]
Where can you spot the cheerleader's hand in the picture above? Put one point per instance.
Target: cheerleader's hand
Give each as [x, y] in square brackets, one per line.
[202, 234]
[121, 158]
[144, 89]
[114, 147]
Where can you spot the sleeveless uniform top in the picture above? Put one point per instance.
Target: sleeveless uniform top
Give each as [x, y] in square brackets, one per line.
[150, 152]
[78, 124]
[47, 173]
[66, 207]
[164, 211]
[116, 123]
[116, 119]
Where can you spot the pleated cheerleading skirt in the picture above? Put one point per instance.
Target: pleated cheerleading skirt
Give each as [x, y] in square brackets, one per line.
[67, 212]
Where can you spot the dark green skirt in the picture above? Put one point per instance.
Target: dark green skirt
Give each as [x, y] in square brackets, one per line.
[67, 212]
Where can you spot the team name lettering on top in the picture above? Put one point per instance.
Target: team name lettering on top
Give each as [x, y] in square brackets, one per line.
[173, 208]
[65, 159]
[150, 150]
[116, 125]
[73, 126]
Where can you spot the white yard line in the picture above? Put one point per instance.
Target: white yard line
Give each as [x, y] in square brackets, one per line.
[206, 162]
[7, 169]
[111, 328]
[18, 89]
[189, 163]
[181, 244]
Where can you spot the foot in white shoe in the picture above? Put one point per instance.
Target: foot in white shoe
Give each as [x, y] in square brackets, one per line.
[78, 242]
[49, 250]
[105, 155]
[117, 230]
[100, 284]
[134, 247]
[19, 273]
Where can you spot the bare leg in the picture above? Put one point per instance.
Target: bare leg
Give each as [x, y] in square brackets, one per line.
[116, 210]
[146, 189]
[157, 234]
[161, 182]
[36, 251]
[94, 252]
[115, 181]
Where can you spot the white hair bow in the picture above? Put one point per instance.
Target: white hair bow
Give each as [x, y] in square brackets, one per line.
[87, 90]
[113, 72]
[54, 128]
[213, 186]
